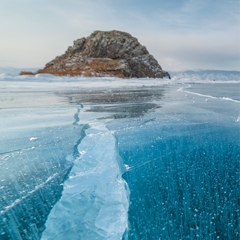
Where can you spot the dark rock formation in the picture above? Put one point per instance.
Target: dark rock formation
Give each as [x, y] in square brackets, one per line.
[112, 53]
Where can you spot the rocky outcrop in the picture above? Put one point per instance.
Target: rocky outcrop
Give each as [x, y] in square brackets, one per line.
[112, 53]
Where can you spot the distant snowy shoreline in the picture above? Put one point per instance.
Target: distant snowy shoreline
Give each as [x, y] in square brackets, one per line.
[194, 75]
[213, 75]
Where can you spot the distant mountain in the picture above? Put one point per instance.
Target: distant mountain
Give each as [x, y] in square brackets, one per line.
[14, 71]
[213, 75]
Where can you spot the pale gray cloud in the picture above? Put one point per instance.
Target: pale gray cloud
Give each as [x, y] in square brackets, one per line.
[180, 34]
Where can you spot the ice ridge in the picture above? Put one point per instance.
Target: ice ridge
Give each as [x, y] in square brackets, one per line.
[94, 202]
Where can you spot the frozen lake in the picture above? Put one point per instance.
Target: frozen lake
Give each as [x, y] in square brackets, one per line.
[107, 158]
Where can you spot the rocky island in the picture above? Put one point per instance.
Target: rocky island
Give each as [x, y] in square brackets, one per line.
[105, 53]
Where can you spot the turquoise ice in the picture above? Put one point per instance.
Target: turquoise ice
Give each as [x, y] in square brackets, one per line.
[104, 158]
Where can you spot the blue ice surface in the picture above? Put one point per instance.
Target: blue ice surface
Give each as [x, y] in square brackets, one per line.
[183, 163]
[33, 166]
[179, 142]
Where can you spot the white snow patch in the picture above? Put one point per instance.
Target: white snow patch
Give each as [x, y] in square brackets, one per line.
[33, 139]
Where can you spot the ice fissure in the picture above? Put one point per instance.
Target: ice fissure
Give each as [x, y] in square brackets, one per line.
[94, 202]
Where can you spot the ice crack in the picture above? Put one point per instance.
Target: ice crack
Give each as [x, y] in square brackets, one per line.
[76, 116]
[94, 202]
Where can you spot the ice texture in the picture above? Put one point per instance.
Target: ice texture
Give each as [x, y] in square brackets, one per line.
[62, 177]
[184, 180]
[35, 146]
[94, 202]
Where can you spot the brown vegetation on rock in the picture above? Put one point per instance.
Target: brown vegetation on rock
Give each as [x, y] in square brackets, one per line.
[27, 73]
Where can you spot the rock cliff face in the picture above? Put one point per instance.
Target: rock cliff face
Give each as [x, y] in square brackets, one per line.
[112, 53]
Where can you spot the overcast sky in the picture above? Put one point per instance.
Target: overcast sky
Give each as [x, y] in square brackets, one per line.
[180, 34]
